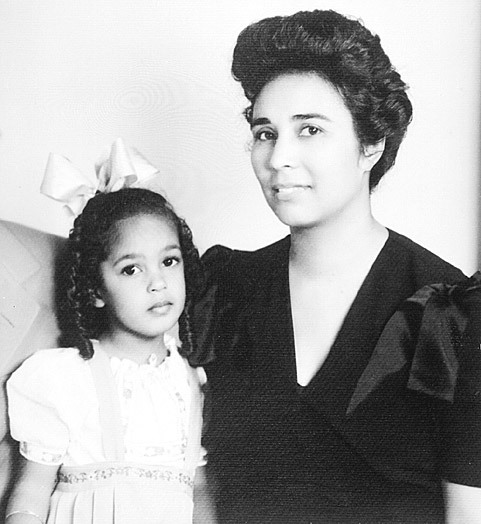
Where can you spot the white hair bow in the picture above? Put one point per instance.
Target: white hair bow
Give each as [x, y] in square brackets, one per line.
[124, 167]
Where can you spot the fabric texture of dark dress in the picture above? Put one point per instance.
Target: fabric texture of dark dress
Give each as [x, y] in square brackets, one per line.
[365, 440]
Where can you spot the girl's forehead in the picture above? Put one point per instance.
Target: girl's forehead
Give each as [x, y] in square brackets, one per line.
[147, 221]
[140, 229]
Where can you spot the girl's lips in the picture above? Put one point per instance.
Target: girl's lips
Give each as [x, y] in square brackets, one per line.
[160, 307]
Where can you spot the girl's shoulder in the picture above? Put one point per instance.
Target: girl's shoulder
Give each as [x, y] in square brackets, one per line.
[183, 365]
[56, 378]
[57, 356]
[50, 364]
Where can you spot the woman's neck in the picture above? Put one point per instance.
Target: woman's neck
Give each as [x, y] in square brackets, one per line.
[125, 345]
[335, 249]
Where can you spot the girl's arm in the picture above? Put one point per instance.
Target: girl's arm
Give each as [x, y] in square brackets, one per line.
[29, 501]
[204, 506]
[463, 504]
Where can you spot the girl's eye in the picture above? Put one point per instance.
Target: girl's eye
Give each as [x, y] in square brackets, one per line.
[264, 135]
[130, 270]
[309, 131]
[171, 261]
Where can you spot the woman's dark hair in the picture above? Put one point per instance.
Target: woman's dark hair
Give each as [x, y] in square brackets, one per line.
[89, 244]
[344, 53]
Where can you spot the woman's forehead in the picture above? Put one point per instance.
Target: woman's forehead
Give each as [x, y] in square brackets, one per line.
[296, 94]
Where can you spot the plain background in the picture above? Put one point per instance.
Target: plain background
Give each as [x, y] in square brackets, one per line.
[75, 75]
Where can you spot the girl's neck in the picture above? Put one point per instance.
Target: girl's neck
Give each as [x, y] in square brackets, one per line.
[335, 249]
[125, 345]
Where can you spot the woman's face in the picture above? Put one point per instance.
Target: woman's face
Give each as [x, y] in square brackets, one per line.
[306, 154]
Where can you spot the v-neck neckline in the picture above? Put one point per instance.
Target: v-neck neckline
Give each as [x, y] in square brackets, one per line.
[332, 386]
[351, 319]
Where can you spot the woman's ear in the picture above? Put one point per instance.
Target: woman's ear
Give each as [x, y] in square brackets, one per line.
[372, 153]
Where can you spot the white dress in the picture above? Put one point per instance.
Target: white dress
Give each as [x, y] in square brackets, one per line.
[127, 436]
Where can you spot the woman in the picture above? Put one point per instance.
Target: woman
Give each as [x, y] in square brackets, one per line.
[295, 435]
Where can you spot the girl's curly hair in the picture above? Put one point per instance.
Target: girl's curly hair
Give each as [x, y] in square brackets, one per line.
[89, 243]
[343, 52]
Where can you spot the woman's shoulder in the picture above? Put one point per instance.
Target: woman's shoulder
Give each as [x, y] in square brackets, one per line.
[220, 259]
[449, 336]
[427, 335]
[424, 265]
[232, 278]
[460, 300]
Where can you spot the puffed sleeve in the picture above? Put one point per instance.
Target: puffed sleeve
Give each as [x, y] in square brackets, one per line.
[436, 336]
[35, 406]
[398, 348]
[213, 301]
[462, 427]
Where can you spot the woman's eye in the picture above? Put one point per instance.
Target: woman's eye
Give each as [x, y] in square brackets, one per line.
[130, 270]
[171, 261]
[264, 135]
[309, 131]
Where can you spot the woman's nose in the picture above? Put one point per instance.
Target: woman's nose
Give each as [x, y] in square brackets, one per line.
[283, 153]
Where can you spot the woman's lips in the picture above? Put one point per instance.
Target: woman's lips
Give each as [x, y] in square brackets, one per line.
[286, 192]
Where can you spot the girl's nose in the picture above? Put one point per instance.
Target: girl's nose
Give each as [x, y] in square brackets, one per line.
[157, 282]
[283, 153]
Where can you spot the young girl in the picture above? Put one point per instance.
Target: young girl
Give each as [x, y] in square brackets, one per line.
[109, 427]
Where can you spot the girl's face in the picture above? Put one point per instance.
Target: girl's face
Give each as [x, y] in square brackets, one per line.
[143, 278]
[305, 152]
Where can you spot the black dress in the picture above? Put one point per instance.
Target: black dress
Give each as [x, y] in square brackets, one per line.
[359, 443]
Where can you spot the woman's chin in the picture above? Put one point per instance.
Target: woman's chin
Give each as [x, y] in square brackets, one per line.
[293, 220]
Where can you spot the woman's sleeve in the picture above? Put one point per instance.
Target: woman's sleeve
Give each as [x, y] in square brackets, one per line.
[414, 339]
[34, 413]
[447, 366]
[435, 336]
[212, 303]
[462, 457]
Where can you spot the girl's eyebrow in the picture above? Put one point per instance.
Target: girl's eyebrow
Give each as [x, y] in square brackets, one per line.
[261, 121]
[127, 256]
[130, 256]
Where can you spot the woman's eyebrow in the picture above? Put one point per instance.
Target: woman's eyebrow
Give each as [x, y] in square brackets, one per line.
[307, 116]
[262, 121]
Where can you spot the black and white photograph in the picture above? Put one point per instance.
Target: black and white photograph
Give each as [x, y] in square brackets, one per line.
[240, 262]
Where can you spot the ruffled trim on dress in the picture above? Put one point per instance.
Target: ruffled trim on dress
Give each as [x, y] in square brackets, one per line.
[433, 333]
[155, 400]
